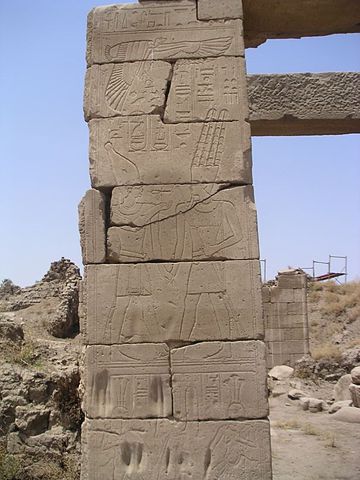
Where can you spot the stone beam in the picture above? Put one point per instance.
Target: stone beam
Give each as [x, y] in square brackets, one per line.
[266, 19]
[304, 104]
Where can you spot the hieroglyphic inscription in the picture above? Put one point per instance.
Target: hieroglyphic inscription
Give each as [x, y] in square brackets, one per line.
[127, 381]
[167, 450]
[156, 302]
[219, 380]
[182, 222]
[159, 31]
[143, 150]
[209, 90]
[125, 89]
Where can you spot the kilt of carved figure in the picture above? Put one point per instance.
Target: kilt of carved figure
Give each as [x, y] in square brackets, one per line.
[171, 314]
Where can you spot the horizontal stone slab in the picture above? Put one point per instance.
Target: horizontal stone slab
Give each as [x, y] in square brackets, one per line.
[266, 19]
[144, 150]
[219, 380]
[208, 90]
[127, 381]
[92, 227]
[304, 104]
[285, 333]
[158, 31]
[182, 222]
[125, 89]
[167, 450]
[215, 9]
[289, 347]
[159, 302]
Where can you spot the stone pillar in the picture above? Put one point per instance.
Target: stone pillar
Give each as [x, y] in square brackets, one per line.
[286, 318]
[175, 374]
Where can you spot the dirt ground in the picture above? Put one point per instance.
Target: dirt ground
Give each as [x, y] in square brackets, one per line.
[312, 446]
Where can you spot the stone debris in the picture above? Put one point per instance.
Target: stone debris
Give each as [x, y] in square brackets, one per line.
[171, 312]
[347, 414]
[337, 405]
[281, 372]
[355, 394]
[295, 394]
[355, 375]
[341, 389]
[313, 405]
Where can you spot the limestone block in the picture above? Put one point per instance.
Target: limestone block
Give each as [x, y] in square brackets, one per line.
[347, 414]
[265, 294]
[143, 150]
[341, 389]
[208, 90]
[355, 394]
[168, 450]
[127, 381]
[282, 295]
[299, 295]
[355, 375]
[296, 308]
[92, 227]
[284, 334]
[215, 9]
[159, 302]
[182, 222]
[292, 281]
[219, 380]
[158, 31]
[125, 89]
[288, 347]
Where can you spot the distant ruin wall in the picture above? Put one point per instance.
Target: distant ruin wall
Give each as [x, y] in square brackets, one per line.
[286, 320]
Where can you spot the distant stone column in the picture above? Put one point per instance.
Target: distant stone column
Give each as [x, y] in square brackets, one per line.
[175, 374]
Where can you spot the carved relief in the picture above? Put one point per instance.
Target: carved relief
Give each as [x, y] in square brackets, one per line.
[125, 89]
[182, 222]
[122, 33]
[143, 150]
[219, 380]
[166, 450]
[210, 89]
[156, 302]
[127, 381]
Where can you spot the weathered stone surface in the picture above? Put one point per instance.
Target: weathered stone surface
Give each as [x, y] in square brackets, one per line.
[304, 104]
[127, 381]
[219, 380]
[215, 9]
[143, 150]
[348, 415]
[158, 31]
[166, 450]
[125, 89]
[355, 394]
[92, 227]
[355, 375]
[208, 90]
[265, 19]
[281, 372]
[314, 405]
[335, 407]
[182, 222]
[341, 389]
[156, 302]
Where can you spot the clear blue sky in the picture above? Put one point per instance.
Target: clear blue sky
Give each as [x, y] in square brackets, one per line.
[307, 188]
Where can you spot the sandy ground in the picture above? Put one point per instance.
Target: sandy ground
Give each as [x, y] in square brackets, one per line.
[312, 446]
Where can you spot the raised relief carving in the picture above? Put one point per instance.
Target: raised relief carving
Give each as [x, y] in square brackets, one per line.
[125, 89]
[123, 33]
[219, 380]
[157, 302]
[127, 381]
[143, 150]
[182, 222]
[166, 450]
[208, 90]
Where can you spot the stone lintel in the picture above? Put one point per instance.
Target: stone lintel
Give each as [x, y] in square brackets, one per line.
[304, 104]
[266, 19]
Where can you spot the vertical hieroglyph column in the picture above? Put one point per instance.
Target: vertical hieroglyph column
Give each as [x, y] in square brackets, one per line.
[175, 375]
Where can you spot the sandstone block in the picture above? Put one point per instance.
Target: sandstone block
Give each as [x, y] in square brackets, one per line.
[127, 381]
[158, 31]
[348, 415]
[284, 334]
[341, 389]
[208, 90]
[297, 308]
[355, 394]
[219, 380]
[282, 295]
[92, 227]
[159, 302]
[125, 89]
[292, 281]
[144, 150]
[167, 450]
[182, 222]
[288, 347]
[355, 375]
[215, 9]
[281, 372]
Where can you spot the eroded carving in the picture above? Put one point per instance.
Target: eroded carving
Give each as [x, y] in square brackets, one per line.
[219, 380]
[185, 301]
[158, 31]
[127, 381]
[92, 227]
[166, 450]
[182, 222]
[143, 150]
[208, 90]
